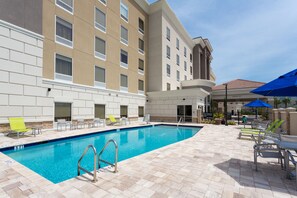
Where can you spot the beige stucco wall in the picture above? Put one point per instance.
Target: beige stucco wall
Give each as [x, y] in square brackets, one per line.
[84, 34]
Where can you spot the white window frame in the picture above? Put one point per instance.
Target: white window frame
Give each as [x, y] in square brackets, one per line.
[60, 40]
[140, 50]
[103, 2]
[168, 34]
[97, 84]
[141, 91]
[122, 4]
[60, 6]
[97, 25]
[124, 89]
[168, 54]
[98, 54]
[63, 77]
[139, 70]
[178, 76]
[122, 64]
[124, 41]
[168, 74]
[140, 30]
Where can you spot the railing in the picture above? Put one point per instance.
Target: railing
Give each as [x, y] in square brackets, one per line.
[115, 164]
[95, 163]
[180, 120]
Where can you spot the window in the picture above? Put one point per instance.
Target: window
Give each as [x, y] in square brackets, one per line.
[100, 77]
[100, 20]
[63, 68]
[124, 111]
[140, 66]
[124, 11]
[124, 82]
[177, 43]
[168, 87]
[140, 86]
[65, 4]
[185, 65]
[140, 111]
[140, 26]
[62, 111]
[100, 111]
[185, 51]
[191, 70]
[63, 32]
[168, 51]
[191, 57]
[177, 76]
[168, 33]
[124, 35]
[168, 70]
[103, 1]
[177, 59]
[124, 58]
[186, 77]
[100, 48]
[141, 46]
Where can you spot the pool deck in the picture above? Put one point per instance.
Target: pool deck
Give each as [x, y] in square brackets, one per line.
[213, 163]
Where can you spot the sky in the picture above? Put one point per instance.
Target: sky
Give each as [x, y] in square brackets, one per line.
[251, 39]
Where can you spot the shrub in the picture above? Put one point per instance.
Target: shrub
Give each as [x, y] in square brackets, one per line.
[231, 123]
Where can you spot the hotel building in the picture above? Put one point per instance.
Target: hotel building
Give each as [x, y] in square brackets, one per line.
[77, 59]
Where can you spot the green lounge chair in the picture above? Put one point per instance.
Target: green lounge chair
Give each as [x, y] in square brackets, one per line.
[258, 132]
[112, 120]
[17, 125]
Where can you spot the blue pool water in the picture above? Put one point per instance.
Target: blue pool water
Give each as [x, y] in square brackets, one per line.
[57, 160]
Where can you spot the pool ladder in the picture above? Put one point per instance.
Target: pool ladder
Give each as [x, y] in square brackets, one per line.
[180, 120]
[94, 174]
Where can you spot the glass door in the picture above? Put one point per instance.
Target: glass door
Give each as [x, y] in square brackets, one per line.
[184, 112]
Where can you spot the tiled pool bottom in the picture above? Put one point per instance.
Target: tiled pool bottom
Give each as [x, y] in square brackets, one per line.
[57, 160]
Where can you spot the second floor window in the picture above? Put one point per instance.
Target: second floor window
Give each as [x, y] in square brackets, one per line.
[99, 77]
[168, 87]
[177, 59]
[141, 46]
[65, 4]
[177, 76]
[185, 65]
[140, 85]
[168, 52]
[168, 33]
[124, 35]
[168, 70]
[191, 70]
[124, 11]
[100, 48]
[63, 68]
[124, 58]
[141, 25]
[64, 32]
[140, 66]
[124, 82]
[100, 20]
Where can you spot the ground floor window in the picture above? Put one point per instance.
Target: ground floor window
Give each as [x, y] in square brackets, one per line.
[62, 111]
[140, 111]
[100, 111]
[124, 111]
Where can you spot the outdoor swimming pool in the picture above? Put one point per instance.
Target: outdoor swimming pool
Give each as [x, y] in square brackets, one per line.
[57, 160]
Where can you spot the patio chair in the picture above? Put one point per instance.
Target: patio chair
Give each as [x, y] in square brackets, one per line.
[62, 123]
[292, 174]
[147, 118]
[17, 125]
[113, 121]
[81, 123]
[97, 122]
[266, 150]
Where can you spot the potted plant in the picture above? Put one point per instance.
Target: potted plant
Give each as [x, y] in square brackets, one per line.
[218, 117]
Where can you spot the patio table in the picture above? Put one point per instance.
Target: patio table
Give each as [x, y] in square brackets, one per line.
[286, 145]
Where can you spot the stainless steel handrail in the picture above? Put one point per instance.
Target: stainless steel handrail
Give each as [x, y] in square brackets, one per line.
[95, 163]
[181, 118]
[115, 165]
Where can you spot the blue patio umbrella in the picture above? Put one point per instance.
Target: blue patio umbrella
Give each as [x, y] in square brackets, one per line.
[257, 104]
[285, 85]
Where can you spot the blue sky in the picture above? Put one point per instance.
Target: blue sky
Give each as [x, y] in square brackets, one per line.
[252, 39]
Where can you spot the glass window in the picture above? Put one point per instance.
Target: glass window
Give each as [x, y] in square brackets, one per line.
[100, 20]
[177, 43]
[140, 111]
[124, 58]
[141, 25]
[168, 70]
[191, 57]
[63, 68]
[66, 4]
[177, 59]
[185, 51]
[124, 111]
[124, 80]
[177, 76]
[140, 66]
[185, 65]
[99, 74]
[100, 48]
[168, 51]
[103, 1]
[124, 11]
[140, 85]
[63, 32]
[62, 111]
[186, 77]
[168, 87]
[100, 111]
[168, 33]
[124, 35]
[141, 46]
[191, 70]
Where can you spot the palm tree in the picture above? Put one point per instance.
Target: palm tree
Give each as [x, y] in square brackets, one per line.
[286, 101]
[276, 102]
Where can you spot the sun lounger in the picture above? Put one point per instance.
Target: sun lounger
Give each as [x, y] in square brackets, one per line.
[113, 121]
[17, 125]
